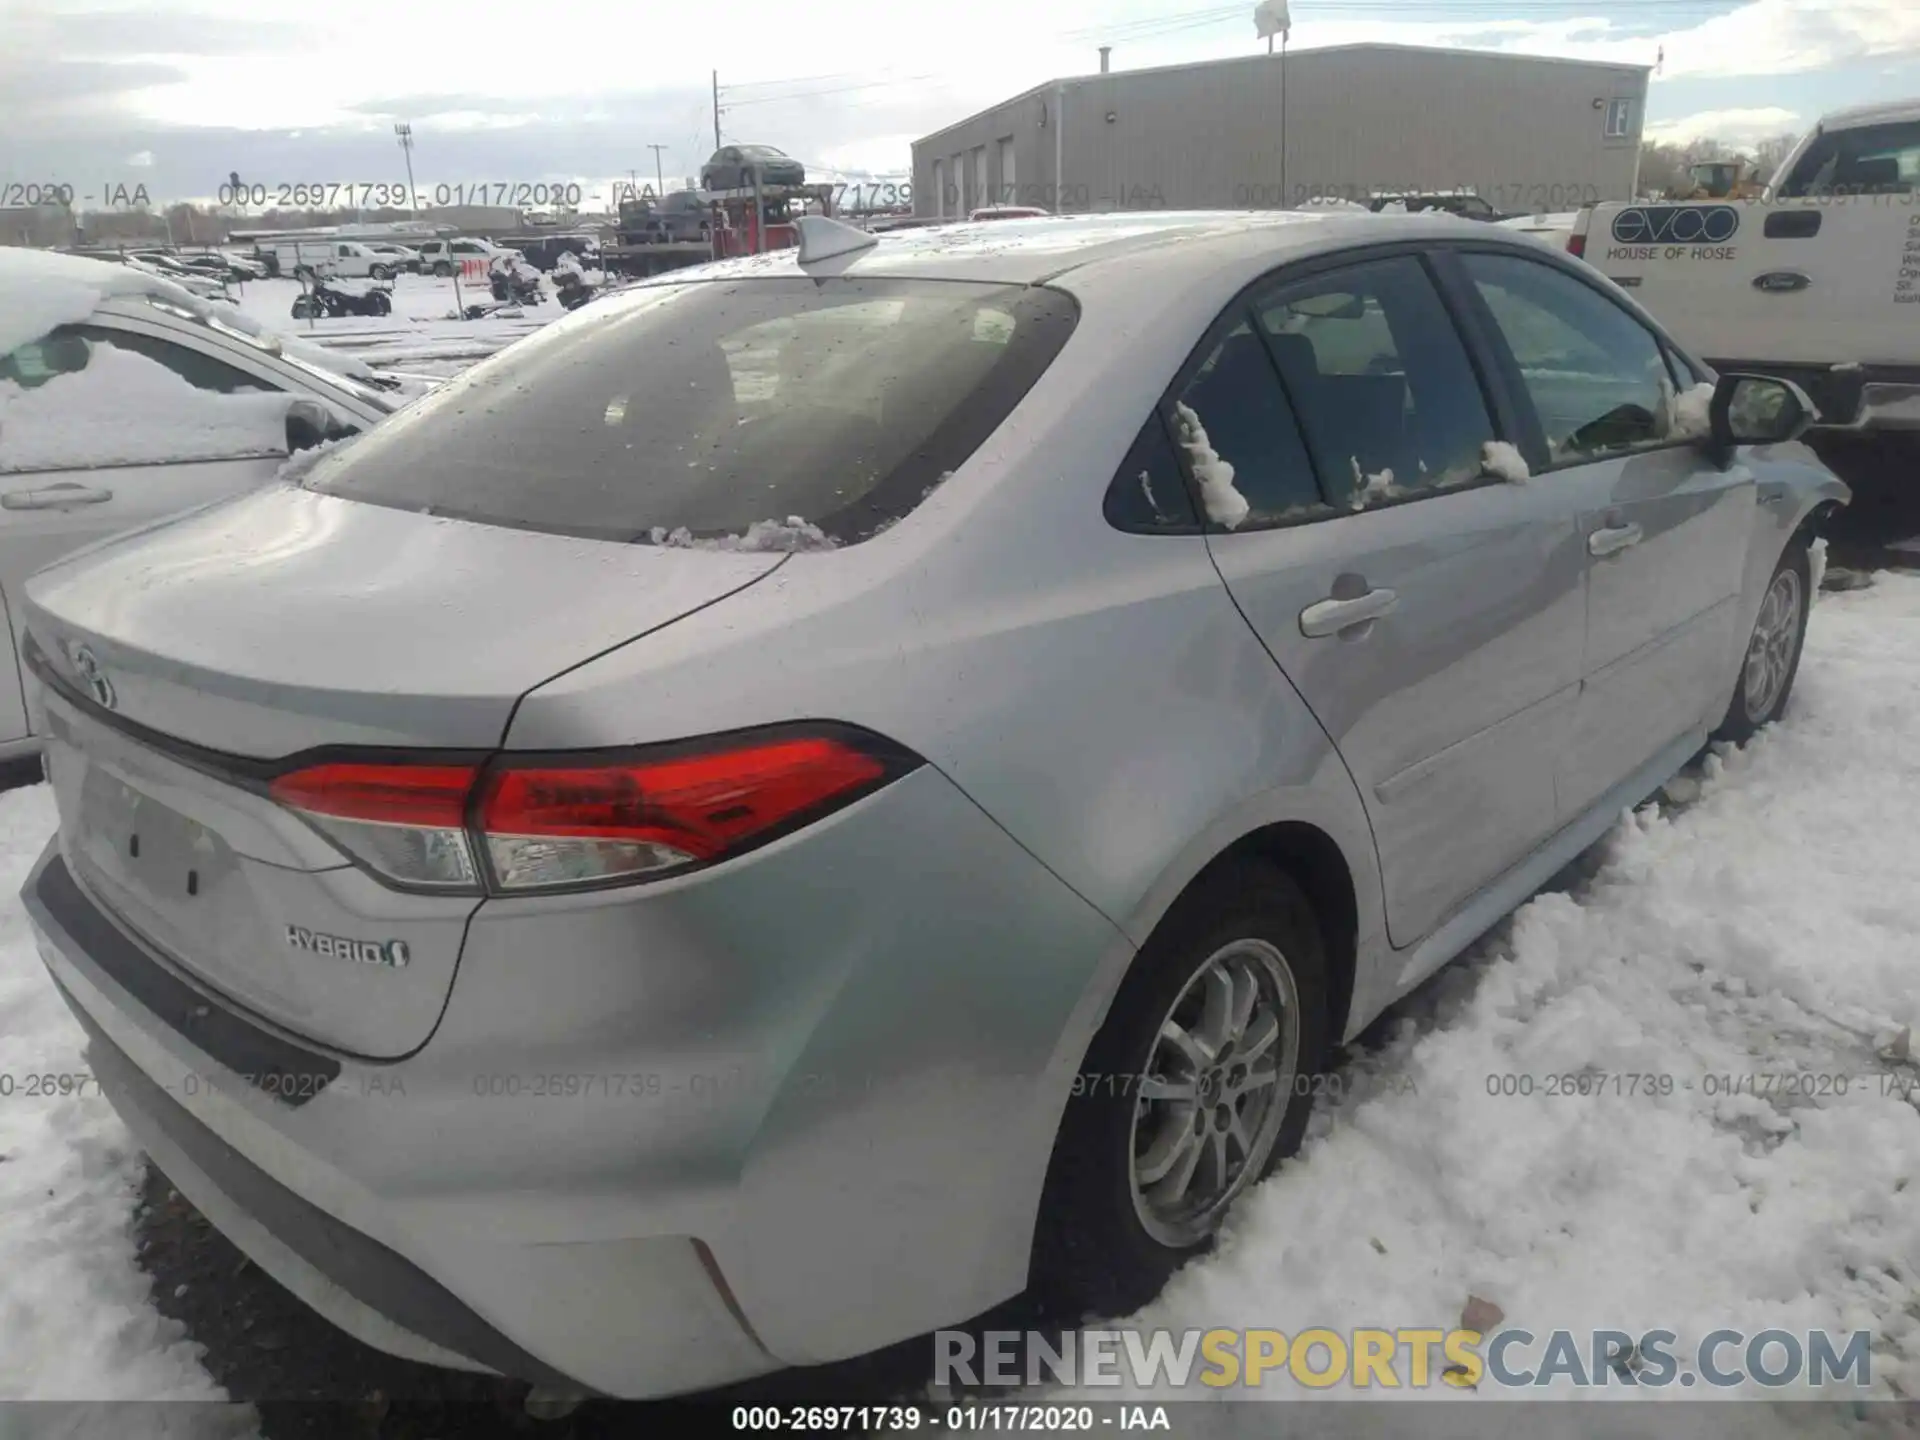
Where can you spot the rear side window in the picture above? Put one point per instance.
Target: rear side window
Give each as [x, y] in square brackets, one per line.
[1234, 411]
[708, 407]
[1872, 160]
[1149, 495]
[1386, 394]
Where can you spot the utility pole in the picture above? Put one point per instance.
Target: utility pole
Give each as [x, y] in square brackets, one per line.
[405, 132]
[659, 178]
[716, 109]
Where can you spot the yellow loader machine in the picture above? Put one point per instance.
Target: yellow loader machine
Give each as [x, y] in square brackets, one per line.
[1720, 180]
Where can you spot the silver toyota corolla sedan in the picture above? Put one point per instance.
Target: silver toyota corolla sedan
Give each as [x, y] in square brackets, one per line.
[815, 794]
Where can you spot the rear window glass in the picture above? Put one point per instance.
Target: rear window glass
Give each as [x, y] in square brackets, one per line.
[1870, 160]
[699, 410]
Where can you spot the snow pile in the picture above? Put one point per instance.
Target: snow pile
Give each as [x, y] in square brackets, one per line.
[42, 289]
[792, 535]
[73, 1305]
[1816, 565]
[1369, 487]
[1764, 930]
[1688, 411]
[126, 409]
[1500, 459]
[294, 471]
[1225, 505]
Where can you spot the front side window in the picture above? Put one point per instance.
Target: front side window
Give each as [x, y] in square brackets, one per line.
[1872, 160]
[709, 407]
[197, 368]
[1381, 380]
[86, 397]
[1597, 377]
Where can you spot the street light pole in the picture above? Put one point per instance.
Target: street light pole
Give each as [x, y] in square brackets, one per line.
[659, 175]
[405, 132]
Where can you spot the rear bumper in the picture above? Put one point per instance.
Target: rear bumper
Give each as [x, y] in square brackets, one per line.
[785, 1115]
[1866, 397]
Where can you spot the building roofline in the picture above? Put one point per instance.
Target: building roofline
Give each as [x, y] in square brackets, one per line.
[1069, 81]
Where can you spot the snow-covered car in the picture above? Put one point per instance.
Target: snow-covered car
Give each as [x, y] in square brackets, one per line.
[443, 257]
[402, 257]
[165, 267]
[125, 399]
[967, 723]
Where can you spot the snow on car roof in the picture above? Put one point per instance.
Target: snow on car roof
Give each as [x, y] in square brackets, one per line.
[41, 289]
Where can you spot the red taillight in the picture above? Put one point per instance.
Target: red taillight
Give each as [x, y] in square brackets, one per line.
[569, 824]
[387, 794]
[1577, 246]
[589, 820]
[406, 822]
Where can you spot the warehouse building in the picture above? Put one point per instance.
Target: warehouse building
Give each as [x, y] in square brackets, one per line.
[1271, 131]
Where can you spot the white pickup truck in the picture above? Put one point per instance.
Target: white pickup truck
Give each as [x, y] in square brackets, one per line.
[1817, 281]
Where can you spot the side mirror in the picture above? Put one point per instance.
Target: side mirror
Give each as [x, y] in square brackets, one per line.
[309, 423]
[1758, 410]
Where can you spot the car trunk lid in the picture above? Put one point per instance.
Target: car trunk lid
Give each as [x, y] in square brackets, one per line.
[180, 674]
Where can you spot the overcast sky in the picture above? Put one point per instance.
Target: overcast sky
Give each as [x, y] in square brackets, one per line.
[174, 94]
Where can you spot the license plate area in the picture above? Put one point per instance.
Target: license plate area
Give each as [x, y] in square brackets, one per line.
[167, 859]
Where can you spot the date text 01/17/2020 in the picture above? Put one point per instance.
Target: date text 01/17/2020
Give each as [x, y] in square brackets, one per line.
[983, 1418]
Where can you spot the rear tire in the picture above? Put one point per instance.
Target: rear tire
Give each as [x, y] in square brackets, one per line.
[379, 304]
[382, 272]
[442, 269]
[1242, 944]
[1772, 657]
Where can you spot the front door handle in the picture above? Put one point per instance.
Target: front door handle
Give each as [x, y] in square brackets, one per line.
[1331, 616]
[1612, 539]
[54, 497]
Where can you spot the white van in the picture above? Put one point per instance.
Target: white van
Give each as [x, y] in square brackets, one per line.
[346, 259]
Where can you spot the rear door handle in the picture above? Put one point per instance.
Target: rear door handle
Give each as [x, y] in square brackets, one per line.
[54, 497]
[1612, 539]
[1330, 616]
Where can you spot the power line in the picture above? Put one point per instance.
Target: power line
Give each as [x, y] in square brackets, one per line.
[836, 90]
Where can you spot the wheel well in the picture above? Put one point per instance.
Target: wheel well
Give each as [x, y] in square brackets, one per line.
[1315, 862]
[1817, 519]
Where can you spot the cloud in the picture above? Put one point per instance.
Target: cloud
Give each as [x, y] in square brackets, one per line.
[106, 34]
[1768, 37]
[1735, 127]
[89, 82]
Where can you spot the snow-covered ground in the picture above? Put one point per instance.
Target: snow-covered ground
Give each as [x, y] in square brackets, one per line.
[1760, 923]
[424, 334]
[73, 1306]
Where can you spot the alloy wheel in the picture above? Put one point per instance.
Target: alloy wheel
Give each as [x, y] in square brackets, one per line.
[1770, 651]
[1214, 1092]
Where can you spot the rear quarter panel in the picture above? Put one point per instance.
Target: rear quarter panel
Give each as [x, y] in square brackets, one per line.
[1097, 693]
